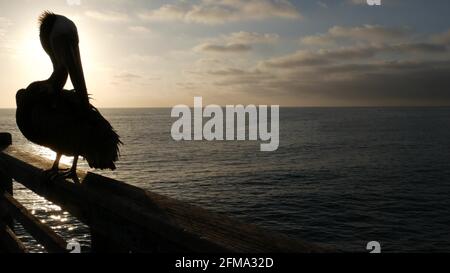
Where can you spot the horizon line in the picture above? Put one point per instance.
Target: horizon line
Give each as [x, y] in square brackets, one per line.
[355, 106]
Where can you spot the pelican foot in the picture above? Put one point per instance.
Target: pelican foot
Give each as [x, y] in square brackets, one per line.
[52, 173]
[55, 174]
[69, 174]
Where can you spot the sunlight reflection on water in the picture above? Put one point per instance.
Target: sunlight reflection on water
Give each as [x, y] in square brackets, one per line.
[65, 225]
[49, 154]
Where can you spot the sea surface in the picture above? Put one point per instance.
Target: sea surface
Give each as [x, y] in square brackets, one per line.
[341, 177]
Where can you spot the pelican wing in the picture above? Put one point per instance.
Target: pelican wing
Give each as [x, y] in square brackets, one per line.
[68, 128]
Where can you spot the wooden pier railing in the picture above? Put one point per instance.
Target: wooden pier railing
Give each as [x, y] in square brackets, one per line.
[123, 218]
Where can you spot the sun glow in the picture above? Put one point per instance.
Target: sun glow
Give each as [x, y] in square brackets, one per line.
[36, 64]
[31, 55]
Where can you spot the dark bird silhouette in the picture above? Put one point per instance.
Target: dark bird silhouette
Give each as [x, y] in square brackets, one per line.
[64, 120]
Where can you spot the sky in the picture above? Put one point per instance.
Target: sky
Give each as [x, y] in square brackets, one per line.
[263, 52]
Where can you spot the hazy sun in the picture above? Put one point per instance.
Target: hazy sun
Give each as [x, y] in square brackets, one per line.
[35, 61]
[33, 57]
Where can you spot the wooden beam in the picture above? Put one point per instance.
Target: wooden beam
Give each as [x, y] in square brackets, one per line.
[142, 221]
[6, 186]
[42, 233]
[9, 243]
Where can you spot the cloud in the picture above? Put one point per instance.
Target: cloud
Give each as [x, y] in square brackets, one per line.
[370, 33]
[4, 22]
[108, 16]
[134, 78]
[73, 2]
[229, 48]
[383, 2]
[5, 43]
[251, 37]
[405, 72]
[380, 83]
[234, 72]
[359, 53]
[357, 2]
[142, 60]
[4, 26]
[416, 82]
[167, 12]
[237, 77]
[237, 42]
[139, 29]
[322, 4]
[127, 76]
[318, 40]
[442, 38]
[222, 11]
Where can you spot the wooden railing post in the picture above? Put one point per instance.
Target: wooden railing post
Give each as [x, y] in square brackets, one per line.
[5, 140]
[6, 184]
[8, 241]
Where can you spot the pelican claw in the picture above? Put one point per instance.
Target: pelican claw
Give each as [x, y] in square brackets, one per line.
[69, 174]
[55, 174]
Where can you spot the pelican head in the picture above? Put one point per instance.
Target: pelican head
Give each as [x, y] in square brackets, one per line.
[59, 38]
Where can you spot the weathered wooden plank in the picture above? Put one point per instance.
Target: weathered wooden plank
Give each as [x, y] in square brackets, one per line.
[141, 221]
[9, 242]
[235, 235]
[42, 233]
[117, 219]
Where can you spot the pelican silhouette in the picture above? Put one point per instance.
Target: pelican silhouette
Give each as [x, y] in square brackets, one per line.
[64, 120]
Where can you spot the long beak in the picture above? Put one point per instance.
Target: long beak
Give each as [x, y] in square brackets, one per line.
[75, 68]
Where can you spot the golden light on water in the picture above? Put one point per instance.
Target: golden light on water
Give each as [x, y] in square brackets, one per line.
[51, 155]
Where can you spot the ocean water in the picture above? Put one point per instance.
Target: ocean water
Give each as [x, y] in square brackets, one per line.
[341, 177]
